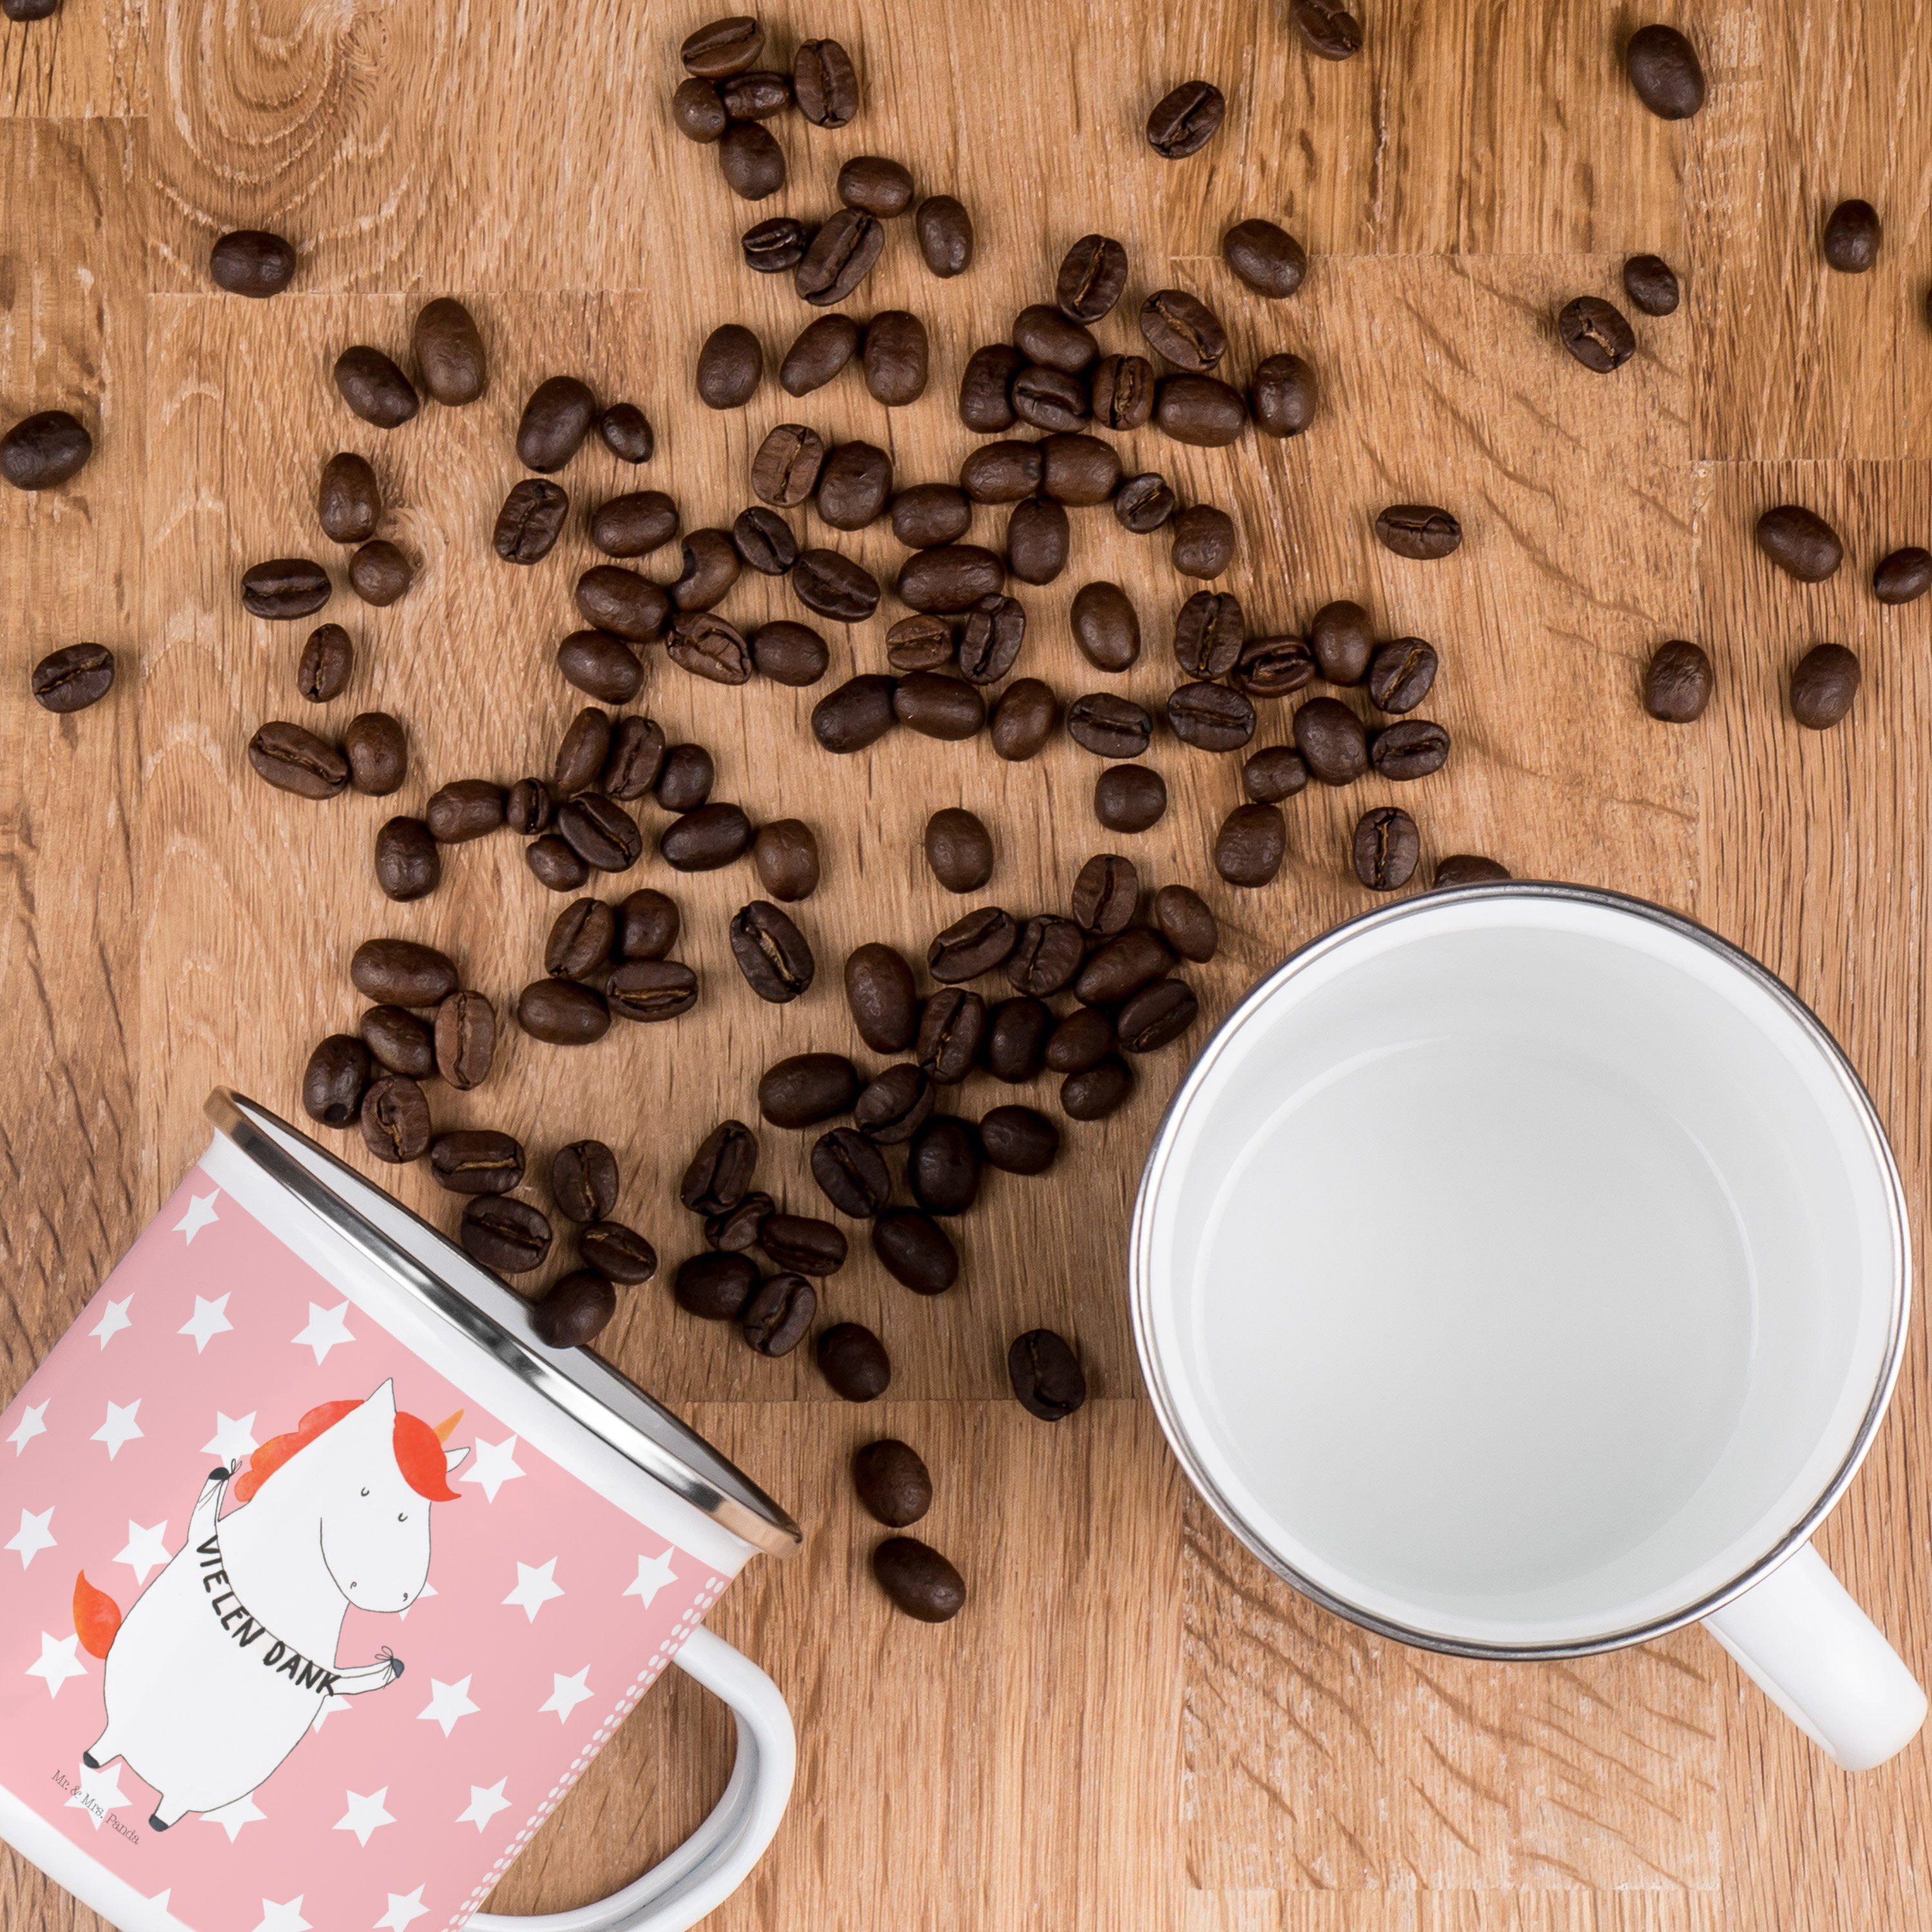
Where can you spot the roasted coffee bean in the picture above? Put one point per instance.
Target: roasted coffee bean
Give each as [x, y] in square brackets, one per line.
[973, 945]
[702, 643]
[286, 586]
[477, 1160]
[555, 422]
[1092, 274]
[1183, 330]
[1015, 1040]
[1108, 726]
[1204, 541]
[990, 638]
[711, 566]
[574, 1310]
[1651, 284]
[250, 261]
[1106, 892]
[1267, 258]
[530, 522]
[852, 1172]
[465, 1040]
[44, 450]
[720, 1172]
[1277, 772]
[327, 660]
[631, 525]
[1207, 634]
[333, 1080]
[1046, 956]
[880, 990]
[375, 388]
[1385, 848]
[293, 760]
[856, 714]
[1160, 1012]
[1201, 410]
[952, 1024]
[1281, 395]
[600, 832]
[1468, 869]
[730, 365]
[824, 83]
[1119, 394]
[1125, 963]
[378, 752]
[916, 1251]
[379, 573]
[1106, 626]
[1098, 1091]
[623, 602]
[465, 809]
[512, 1237]
[649, 990]
[1903, 577]
[715, 1286]
[755, 96]
[563, 1012]
[841, 256]
[785, 470]
[1677, 683]
[1046, 336]
[806, 1088]
[1333, 740]
[919, 1580]
[583, 1181]
[702, 840]
[928, 514]
[618, 1253]
[395, 1119]
[721, 47]
[1082, 1040]
[1044, 1370]
[853, 1360]
[945, 231]
[752, 163]
[1823, 683]
[1800, 542]
[600, 666]
[936, 706]
[1184, 122]
[449, 352]
[1664, 69]
[800, 1244]
[1003, 472]
[943, 1165]
[892, 1482]
[72, 678]
[581, 938]
[1023, 719]
[647, 925]
[1038, 540]
[876, 185]
[408, 866]
[348, 501]
[399, 1041]
[921, 644]
[737, 1228]
[697, 110]
[1418, 531]
[789, 653]
[1401, 673]
[986, 386]
[1050, 399]
[772, 248]
[1342, 642]
[1250, 845]
[835, 586]
[1272, 667]
[684, 777]
[1411, 749]
[786, 857]
[1130, 798]
[1596, 334]
[1018, 1140]
[1187, 923]
[779, 1314]
[1852, 233]
[581, 754]
[854, 485]
[554, 865]
[626, 433]
[1210, 717]
[896, 358]
[771, 951]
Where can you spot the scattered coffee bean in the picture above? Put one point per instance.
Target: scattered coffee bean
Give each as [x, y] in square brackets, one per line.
[1108, 726]
[530, 521]
[841, 256]
[973, 945]
[852, 1172]
[927, 515]
[704, 840]
[1800, 542]
[1411, 749]
[1046, 956]
[252, 261]
[1106, 626]
[779, 1314]
[935, 706]
[408, 866]
[756, 95]
[377, 750]
[855, 484]
[333, 1080]
[1267, 258]
[375, 388]
[1400, 674]
[990, 638]
[555, 422]
[1018, 1140]
[554, 865]
[399, 1041]
[395, 1119]
[1050, 399]
[835, 586]
[1187, 923]
[1468, 868]
[697, 110]
[1276, 773]
[730, 366]
[855, 715]
[722, 47]
[1823, 683]
[1210, 717]
[1093, 275]
[623, 602]
[1082, 1040]
[684, 778]
[876, 185]
[945, 231]
[618, 1253]
[1014, 1040]
[1272, 667]
[800, 1244]
[449, 352]
[631, 525]
[1130, 798]
[896, 358]
[1038, 540]
[1183, 330]
[583, 1181]
[789, 653]
[1385, 848]
[1098, 1091]
[1596, 333]
[774, 247]
[44, 450]
[917, 1252]
[512, 1237]
[752, 163]
[291, 759]
[600, 666]
[647, 925]
[720, 1172]
[1201, 410]
[1207, 634]
[1678, 682]
[1342, 642]
[1002, 473]
[327, 660]
[891, 1106]
[581, 754]
[1281, 395]
[1023, 719]
[477, 1160]
[824, 83]
[952, 1026]
[286, 586]
[919, 1580]
[1250, 845]
[1045, 1374]
[806, 1088]
[1159, 1012]
[853, 1360]
[1903, 577]
[892, 1482]
[736, 1229]
[1046, 336]
[1204, 542]
[1128, 961]
[1184, 122]
[1650, 283]
[1078, 471]
[650, 990]
[702, 643]
[985, 402]
[600, 832]
[574, 1310]
[379, 573]
[1106, 893]
[1418, 531]
[626, 433]
[712, 566]
[1664, 69]
[562, 1012]
[74, 677]
[715, 1286]
[1327, 27]
[465, 1039]
[1332, 739]
[880, 990]
[771, 951]
[1121, 393]
[1852, 232]
[786, 857]
[943, 1165]
[581, 939]
[348, 501]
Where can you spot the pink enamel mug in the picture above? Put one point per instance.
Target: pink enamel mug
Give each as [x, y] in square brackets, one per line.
[330, 1578]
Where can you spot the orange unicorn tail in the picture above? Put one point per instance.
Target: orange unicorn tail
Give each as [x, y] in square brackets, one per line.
[97, 1616]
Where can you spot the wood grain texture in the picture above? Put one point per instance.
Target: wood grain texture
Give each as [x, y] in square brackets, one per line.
[1133, 1722]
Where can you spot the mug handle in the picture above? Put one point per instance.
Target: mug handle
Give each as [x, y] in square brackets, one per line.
[716, 1859]
[1823, 1662]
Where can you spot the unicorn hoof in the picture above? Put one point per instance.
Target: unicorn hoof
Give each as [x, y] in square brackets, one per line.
[219, 1475]
[395, 1668]
[88, 1758]
[154, 1822]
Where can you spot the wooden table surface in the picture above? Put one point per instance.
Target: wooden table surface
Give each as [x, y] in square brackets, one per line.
[1133, 1724]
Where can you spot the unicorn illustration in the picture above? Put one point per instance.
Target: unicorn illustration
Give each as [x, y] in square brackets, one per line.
[218, 1671]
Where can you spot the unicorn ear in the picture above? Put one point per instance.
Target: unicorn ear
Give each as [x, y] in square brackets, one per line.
[451, 1457]
[383, 1402]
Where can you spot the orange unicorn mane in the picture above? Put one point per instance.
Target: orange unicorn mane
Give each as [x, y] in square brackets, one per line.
[418, 1450]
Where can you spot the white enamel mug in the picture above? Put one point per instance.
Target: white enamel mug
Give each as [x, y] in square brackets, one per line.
[1522, 1272]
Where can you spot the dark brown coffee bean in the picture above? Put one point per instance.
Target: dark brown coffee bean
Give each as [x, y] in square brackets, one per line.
[1003, 472]
[246, 261]
[943, 1165]
[752, 163]
[835, 586]
[512, 1237]
[852, 1172]
[1045, 1374]
[1267, 258]
[600, 832]
[779, 1314]
[720, 1172]
[685, 778]
[857, 714]
[824, 83]
[1014, 1042]
[880, 990]
[1130, 798]
[554, 865]
[841, 256]
[919, 1580]
[1651, 284]
[1108, 726]
[530, 522]
[1046, 336]
[399, 1041]
[1333, 740]
[1664, 69]
[465, 809]
[921, 644]
[1092, 274]
[800, 1244]
[1106, 893]
[1126, 963]
[563, 1012]
[348, 502]
[1183, 330]
[789, 653]
[374, 388]
[730, 365]
[1418, 531]
[581, 753]
[1023, 719]
[1018, 1140]
[43, 451]
[1596, 334]
[377, 752]
[806, 1088]
[712, 566]
[929, 515]
[327, 660]
[702, 643]
[1210, 717]
[395, 1119]
[877, 186]
[1050, 399]
[408, 866]
[477, 1160]
[1903, 576]
[618, 1253]
[333, 1080]
[291, 759]
[755, 96]
[785, 854]
[1468, 869]
[892, 1482]
[1119, 394]
[702, 840]
[465, 1040]
[896, 358]
[952, 1024]
[449, 353]
[647, 925]
[1207, 634]
[854, 485]
[786, 469]
[583, 1181]
[1401, 674]
[1204, 540]
[574, 1310]
[600, 666]
[935, 706]
[379, 573]
[853, 1360]
[722, 47]
[555, 422]
[945, 231]
[1277, 772]
[771, 951]
[1038, 539]
[1097, 1091]
[1250, 845]
[1082, 1040]
[917, 1252]
[986, 386]
[737, 1228]
[286, 586]
[623, 602]
[626, 433]
[973, 945]
[1281, 395]
[1272, 667]
[1106, 626]
[698, 109]
[1342, 642]
[1201, 410]
[1800, 542]
[400, 972]
[631, 525]
[581, 938]
[1187, 923]
[72, 678]
[650, 990]
[1678, 682]
[1159, 1012]
[774, 247]
[990, 638]
[715, 1286]
[1385, 848]
[1823, 683]
[1184, 122]
[1047, 955]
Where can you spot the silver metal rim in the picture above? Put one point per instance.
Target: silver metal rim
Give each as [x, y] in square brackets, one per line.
[583, 1386]
[1223, 1038]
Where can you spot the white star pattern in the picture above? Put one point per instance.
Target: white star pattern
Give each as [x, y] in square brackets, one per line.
[200, 1214]
[284, 1917]
[485, 1801]
[98, 1792]
[567, 1692]
[114, 1318]
[327, 1329]
[448, 1702]
[232, 1440]
[330, 1705]
[403, 1907]
[59, 1660]
[231, 1817]
[210, 1318]
[491, 1464]
[33, 1536]
[32, 1423]
[147, 1550]
[119, 1430]
[653, 1574]
[536, 1587]
[365, 1814]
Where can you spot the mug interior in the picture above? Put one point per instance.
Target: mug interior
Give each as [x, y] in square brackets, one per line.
[1519, 1268]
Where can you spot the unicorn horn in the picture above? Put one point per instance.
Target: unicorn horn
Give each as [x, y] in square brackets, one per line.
[446, 1428]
